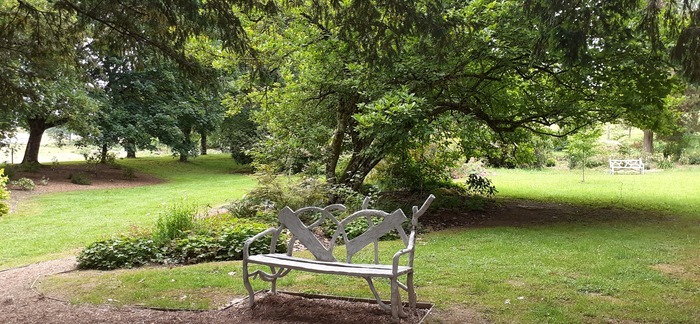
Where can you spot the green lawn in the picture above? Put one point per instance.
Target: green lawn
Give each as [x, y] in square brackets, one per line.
[631, 269]
[674, 191]
[53, 225]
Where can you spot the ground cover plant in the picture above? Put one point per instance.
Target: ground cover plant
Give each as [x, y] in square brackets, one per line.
[615, 248]
[183, 234]
[51, 225]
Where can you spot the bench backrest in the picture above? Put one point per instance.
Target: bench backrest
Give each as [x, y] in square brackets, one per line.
[626, 163]
[379, 222]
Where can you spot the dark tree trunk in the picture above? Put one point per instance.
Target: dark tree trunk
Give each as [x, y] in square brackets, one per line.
[37, 126]
[130, 149]
[184, 150]
[648, 144]
[103, 153]
[203, 143]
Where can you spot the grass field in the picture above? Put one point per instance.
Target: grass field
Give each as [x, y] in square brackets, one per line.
[641, 268]
[53, 225]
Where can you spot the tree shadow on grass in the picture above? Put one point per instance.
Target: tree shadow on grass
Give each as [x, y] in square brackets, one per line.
[528, 213]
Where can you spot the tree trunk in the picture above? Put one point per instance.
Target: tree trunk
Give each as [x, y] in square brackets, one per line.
[37, 126]
[343, 118]
[648, 144]
[130, 149]
[186, 146]
[103, 154]
[203, 143]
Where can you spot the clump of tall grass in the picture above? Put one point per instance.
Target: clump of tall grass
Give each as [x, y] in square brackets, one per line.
[176, 221]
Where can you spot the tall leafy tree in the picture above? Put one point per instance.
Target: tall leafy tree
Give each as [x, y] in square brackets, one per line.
[357, 81]
[43, 80]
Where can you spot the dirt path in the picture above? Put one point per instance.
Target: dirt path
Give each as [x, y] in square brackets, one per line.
[20, 303]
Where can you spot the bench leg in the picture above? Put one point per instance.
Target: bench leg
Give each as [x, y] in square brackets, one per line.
[395, 300]
[246, 283]
[273, 282]
[411, 292]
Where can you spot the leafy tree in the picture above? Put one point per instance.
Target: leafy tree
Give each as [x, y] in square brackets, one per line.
[354, 84]
[688, 108]
[581, 146]
[238, 134]
[45, 46]
[43, 83]
[155, 102]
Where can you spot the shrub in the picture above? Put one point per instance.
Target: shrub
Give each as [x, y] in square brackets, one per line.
[4, 194]
[480, 185]
[477, 182]
[690, 157]
[128, 173]
[214, 244]
[665, 163]
[271, 194]
[24, 184]
[551, 162]
[121, 252]
[221, 244]
[80, 179]
[175, 221]
[10, 171]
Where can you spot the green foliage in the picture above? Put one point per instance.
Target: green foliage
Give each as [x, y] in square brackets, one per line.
[480, 185]
[238, 135]
[221, 243]
[690, 158]
[29, 167]
[274, 192]
[416, 168]
[80, 178]
[663, 162]
[128, 173]
[24, 184]
[551, 162]
[477, 181]
[121, 252]
[175, 221]
[9, 171]
[581, 146]
[4, 194]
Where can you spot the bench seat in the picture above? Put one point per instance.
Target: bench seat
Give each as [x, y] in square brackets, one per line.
[340, 268]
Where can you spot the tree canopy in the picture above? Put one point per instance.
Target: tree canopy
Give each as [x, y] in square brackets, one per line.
[350, 83]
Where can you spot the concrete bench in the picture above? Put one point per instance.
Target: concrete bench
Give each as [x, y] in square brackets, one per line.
[380, 223]
[637, 165]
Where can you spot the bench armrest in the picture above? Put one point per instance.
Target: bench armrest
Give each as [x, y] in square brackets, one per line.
[248, 242]
[410, 249]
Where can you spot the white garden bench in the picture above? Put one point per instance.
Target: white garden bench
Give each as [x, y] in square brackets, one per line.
[626, 165]
[281, 264]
